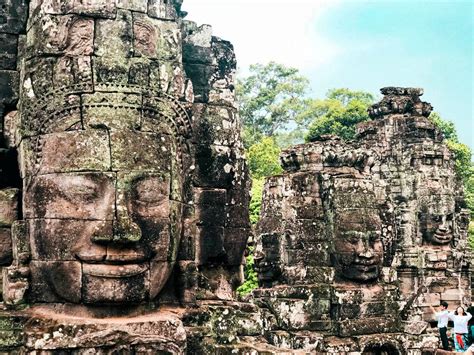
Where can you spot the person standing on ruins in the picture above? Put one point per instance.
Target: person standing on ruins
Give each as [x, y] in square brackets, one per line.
[442, 317]
[460, 319]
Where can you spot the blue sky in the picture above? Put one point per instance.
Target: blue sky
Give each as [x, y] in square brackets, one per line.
[361, 45]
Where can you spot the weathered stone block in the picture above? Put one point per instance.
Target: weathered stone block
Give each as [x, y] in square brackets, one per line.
[215, 166]
[13, 15]
[9, 87]
[195, 54]
[112, 110]
[201, 76]
[69, 71]
[162, 9]
[54, 35]
[52, 113]
[308, 274]
[53, 281]
[210, 248]
[11, 126]
[96, 8]
[307, 230]
[10, 339]
[8, 51]
[215, 125]
[113, 44]
[235, 242]
[133, 5]
[20, 242]
[52, 7]
[66, 152]
[210, 206]
[451, 295]
[155, 38]
[313, 256]
[351, 327]
[101, 286]
[5, 246]
[15, 285]
[38, 78]
[152, 152]
[9, 200]
[163, 331]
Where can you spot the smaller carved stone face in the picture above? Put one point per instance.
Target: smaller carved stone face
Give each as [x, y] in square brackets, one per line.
[358, 249]
[267, 259]
[437, 223]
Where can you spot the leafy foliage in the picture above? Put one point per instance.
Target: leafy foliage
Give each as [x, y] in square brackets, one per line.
[462, 156]
[462, 153]
[469, 195]
[251, 281]
[446, 127]
[469, 191]
[337, 114]
[270, 98]
[263, 158]
[256, 200]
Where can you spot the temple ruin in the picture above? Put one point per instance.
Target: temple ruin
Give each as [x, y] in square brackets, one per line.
[124, 195]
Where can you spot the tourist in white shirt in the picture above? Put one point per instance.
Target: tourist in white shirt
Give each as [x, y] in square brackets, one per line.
[442, 318]
[460, 319]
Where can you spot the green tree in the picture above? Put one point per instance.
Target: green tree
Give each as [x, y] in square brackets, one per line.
[337, 114]
[251, 281]
[270, 98]
[469, 192]
[446, 127]
[263, 158]
[256, 199]
[462, 153]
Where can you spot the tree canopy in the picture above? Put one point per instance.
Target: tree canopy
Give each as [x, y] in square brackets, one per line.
[338, 113]
[270, 98]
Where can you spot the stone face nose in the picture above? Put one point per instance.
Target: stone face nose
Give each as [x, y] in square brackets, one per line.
[125, 230]
[364, 250]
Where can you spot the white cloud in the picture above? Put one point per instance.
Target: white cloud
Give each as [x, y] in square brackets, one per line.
[266, 30]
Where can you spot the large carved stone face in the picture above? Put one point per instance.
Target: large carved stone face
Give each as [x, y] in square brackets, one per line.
[437, 223]
[105, 212]
[267, 259]
[358, 249]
